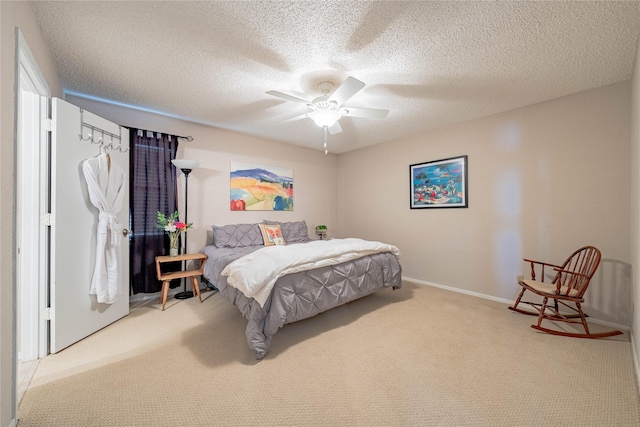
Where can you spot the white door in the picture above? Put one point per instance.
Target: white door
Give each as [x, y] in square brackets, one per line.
[74, 313]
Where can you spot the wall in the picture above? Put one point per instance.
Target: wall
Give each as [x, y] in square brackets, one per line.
[12, 15]
[314, 174]
[635, 203]
[543, 181]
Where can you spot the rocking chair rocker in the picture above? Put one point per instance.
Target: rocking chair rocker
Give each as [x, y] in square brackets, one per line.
[567, 289]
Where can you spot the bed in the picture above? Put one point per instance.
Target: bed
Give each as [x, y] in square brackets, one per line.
[309, 277]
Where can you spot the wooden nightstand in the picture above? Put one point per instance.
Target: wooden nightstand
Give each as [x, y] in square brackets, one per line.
[165, 278]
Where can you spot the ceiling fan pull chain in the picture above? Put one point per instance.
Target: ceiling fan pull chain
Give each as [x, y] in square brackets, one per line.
[325, 139]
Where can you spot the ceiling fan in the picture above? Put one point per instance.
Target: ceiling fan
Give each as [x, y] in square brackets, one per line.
[327, 109]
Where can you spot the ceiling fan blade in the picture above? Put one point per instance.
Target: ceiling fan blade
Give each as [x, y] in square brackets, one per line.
[288, 97]
[296, 118]
[368, 113]
[336, 128]
[347, 89]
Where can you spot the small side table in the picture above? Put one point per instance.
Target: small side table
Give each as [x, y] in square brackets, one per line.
[166, 278]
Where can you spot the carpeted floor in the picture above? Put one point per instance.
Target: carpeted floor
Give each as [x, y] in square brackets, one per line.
[418, 356]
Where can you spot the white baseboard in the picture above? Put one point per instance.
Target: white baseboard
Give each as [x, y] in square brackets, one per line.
[634, 355]
[141, 297]
[502, 300]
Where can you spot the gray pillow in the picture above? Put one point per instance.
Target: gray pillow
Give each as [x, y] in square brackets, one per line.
[292, 232]
[236, 235]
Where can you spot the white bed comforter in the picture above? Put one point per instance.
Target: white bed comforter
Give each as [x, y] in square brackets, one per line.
[256, 273]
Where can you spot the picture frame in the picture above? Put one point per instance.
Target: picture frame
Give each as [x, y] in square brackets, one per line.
[440, 184]
[260, 188]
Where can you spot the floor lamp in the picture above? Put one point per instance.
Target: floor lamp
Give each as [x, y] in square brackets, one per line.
[186, 166]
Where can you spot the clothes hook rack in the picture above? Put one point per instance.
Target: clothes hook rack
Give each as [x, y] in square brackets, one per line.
[92, 132]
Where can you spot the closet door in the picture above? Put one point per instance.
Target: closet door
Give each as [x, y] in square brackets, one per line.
[74, 313]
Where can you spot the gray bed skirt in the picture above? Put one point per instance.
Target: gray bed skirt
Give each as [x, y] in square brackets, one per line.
[304, 294]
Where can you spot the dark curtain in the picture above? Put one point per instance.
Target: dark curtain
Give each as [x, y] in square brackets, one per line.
[153, 188]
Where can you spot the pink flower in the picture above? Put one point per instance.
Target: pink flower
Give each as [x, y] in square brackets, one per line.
[181, 225]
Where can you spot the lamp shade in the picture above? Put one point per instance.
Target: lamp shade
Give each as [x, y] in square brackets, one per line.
[185, 164]
[324, 118]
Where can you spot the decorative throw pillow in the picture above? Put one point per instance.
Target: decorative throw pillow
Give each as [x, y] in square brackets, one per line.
[271, 234]
[294, 231]
[236, 235]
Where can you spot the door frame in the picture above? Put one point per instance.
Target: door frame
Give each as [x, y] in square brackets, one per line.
[32, 175]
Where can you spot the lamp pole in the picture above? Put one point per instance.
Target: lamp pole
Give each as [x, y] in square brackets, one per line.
[186, 166]
[185, 294]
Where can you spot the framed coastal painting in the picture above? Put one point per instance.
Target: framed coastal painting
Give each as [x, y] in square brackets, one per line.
[439, 184]
[261, 188]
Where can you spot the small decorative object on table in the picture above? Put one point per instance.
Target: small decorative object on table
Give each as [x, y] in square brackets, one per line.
[173, 226]
[321, 232]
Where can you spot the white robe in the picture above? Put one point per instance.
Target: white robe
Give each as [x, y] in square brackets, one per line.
[106, 185]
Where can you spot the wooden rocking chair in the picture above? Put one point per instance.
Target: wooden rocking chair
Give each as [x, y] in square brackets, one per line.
[567, 288]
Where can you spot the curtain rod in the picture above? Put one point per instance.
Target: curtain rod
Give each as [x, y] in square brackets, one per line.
[189, 138]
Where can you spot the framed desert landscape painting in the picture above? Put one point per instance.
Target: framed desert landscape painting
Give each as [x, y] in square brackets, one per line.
[260, 188]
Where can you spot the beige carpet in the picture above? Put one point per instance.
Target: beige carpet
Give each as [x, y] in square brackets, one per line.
[418, 356]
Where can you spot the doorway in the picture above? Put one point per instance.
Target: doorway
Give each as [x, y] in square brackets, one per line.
[54, 307]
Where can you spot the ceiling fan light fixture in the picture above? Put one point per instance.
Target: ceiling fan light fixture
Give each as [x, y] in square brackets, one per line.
[325, 118]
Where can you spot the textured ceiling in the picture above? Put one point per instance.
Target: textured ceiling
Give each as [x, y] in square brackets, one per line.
[432, 64]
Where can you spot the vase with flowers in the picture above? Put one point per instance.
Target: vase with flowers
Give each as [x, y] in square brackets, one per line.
[173, 227]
